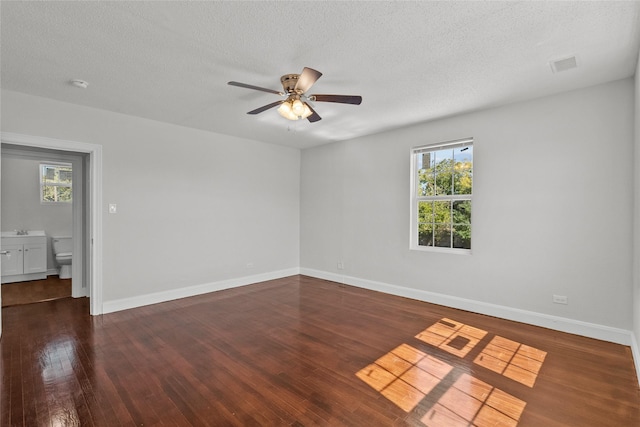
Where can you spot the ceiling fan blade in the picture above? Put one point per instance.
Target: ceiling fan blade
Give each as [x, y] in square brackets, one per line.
[307, 79]
[244, 85]
[265, 107]
[342, 99]
[314, 117]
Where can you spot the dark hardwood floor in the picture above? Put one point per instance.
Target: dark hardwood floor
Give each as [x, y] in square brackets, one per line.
[303, 352]
[33, 291]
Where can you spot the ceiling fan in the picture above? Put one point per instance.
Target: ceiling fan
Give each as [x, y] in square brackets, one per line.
[297, 104]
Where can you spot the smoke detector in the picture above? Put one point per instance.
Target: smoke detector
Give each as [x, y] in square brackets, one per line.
[79, 83]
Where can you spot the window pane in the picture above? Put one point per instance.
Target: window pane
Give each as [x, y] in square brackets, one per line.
[64, 194]
[462, 212]
[425, 235]
[425, 212]
[64, 174]
[48, 173]
[48, 193]
[462, 236]
[442, 211]
[444, 171]
[425, 223]
[442, 235]
[426, 178]
[463, 167]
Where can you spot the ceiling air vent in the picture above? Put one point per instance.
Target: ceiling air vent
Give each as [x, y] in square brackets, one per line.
[563, 64]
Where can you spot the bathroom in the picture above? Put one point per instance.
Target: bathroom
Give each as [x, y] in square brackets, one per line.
[36, 200]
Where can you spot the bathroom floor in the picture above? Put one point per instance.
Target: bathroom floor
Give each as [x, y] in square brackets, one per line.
[20, 293]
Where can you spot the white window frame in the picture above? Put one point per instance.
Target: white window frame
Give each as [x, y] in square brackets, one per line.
[415, 199]
[41, 166]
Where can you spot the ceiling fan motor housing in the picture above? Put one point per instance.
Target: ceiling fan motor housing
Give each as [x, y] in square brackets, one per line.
[289, 82]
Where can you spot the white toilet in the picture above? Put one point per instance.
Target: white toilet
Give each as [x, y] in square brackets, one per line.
[63, 250]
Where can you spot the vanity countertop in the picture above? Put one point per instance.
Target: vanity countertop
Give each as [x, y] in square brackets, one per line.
[29, 233]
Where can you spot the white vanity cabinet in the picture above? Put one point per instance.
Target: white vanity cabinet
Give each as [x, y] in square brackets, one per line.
[23, 257]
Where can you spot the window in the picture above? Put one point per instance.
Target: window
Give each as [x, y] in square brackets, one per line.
[442, 183]
[55, 183]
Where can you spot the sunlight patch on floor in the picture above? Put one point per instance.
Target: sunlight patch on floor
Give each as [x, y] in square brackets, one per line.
[407, 375]
[517, 361]
[470, 400]
[451, 336]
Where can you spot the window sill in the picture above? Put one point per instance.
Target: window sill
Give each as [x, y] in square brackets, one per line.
[451, 251]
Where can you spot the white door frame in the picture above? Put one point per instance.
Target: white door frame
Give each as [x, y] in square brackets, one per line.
[95, 202]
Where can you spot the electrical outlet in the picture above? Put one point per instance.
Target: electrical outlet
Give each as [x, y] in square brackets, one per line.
[113, 208]
[340, 265]
[560, 299]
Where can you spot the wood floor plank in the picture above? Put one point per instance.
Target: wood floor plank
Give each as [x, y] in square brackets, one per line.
[33, 291]
[288, 352]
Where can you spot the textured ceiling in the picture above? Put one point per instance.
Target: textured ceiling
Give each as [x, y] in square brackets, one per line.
[410, 61]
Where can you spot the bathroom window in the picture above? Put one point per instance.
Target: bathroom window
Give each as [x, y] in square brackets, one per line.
[55, 183]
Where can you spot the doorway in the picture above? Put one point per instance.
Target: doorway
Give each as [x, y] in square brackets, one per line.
[26, 209]
[87, 218]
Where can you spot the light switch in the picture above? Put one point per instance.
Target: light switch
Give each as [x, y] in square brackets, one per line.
[113, 208]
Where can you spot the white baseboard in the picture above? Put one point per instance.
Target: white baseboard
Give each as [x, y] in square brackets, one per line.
[577, 327]
[635, 351]
[158, 297]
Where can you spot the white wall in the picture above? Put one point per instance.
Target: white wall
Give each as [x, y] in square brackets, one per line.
[21, 207]
[193, 207]
[552, 208]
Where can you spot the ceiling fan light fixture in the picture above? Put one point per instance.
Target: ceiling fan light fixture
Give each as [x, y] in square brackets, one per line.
[285, 111]
[294, 109]
[297, 107]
